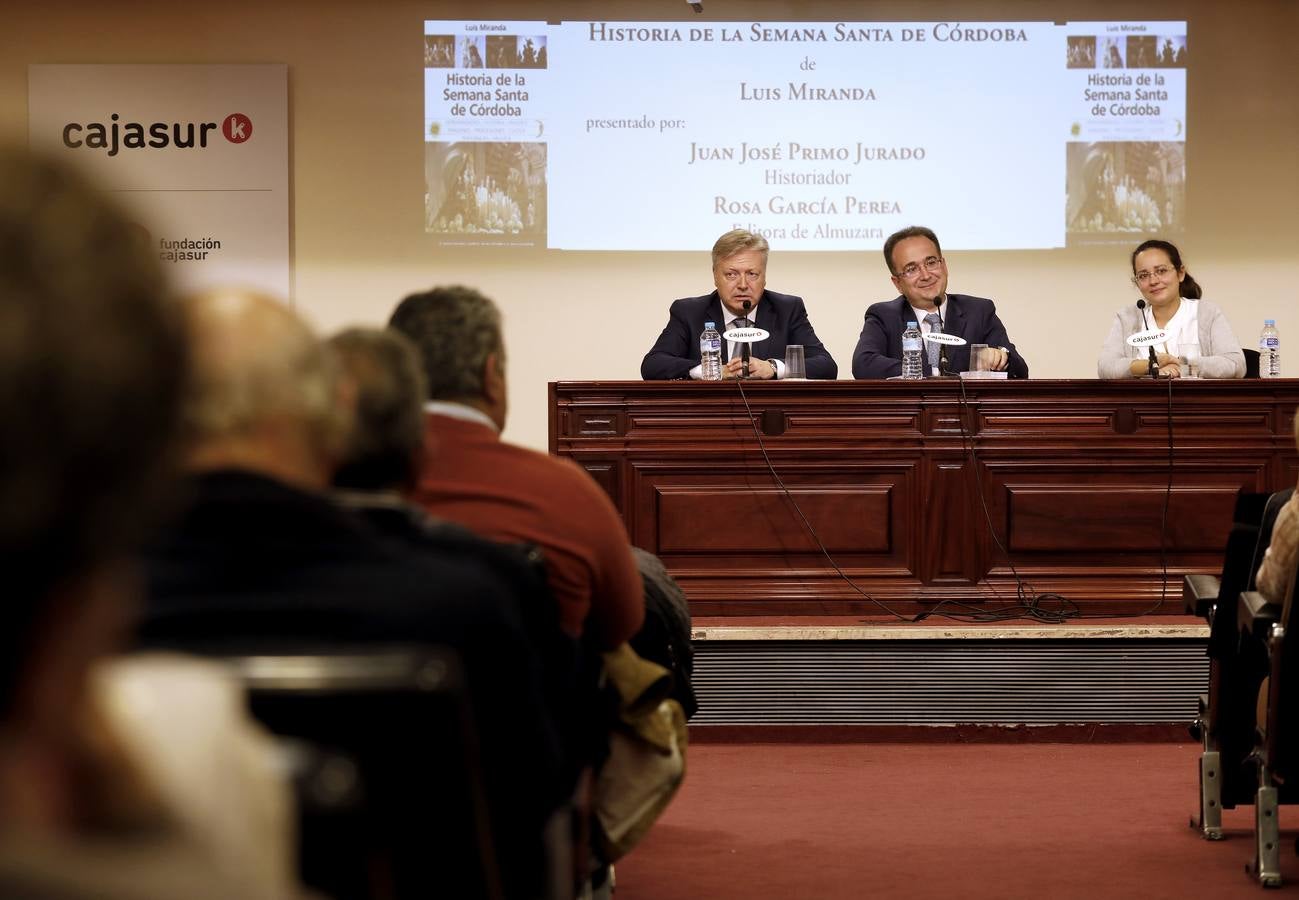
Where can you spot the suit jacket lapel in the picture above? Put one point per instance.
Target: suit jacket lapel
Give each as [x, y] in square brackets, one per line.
[764, 316]
[954, 323]
[717, 315]
[905, 315]
[953, 318]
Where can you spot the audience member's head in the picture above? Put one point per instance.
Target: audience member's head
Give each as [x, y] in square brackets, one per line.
[387, 435]
[93, 364]
[458, 334]
[267, 396]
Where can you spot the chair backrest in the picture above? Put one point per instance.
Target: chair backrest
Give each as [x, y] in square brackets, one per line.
[392, 804]
[664, 637]
[1265, 526]
[1251, 363]
[1238, 569]
[523, 567]
[1282, 750]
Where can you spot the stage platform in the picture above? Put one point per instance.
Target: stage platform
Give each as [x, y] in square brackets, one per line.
[853, 672]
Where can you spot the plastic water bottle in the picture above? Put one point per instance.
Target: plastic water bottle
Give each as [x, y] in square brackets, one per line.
[710, 353]
[913, 365]
[1269, 351]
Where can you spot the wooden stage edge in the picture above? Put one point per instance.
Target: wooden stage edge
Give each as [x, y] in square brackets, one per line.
[1087, 733]
[860, 628]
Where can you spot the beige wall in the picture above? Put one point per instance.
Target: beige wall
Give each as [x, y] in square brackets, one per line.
[358, 244]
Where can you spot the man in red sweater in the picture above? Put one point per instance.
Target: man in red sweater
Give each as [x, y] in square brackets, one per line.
[509, 493]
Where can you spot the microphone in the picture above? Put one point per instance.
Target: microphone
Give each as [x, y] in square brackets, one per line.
[1150, 348]
[743, 350]
[944, 367]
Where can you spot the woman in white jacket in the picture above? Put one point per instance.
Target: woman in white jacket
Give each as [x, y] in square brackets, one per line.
[1173, 305]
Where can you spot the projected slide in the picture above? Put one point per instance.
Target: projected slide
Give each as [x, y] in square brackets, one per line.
[821, 136]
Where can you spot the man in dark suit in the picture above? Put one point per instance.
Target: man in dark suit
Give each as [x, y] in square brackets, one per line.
[919, 271]
[740, 273]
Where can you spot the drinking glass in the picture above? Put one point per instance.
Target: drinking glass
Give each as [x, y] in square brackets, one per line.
[978, 357]
[1191, 360]
[795, 364]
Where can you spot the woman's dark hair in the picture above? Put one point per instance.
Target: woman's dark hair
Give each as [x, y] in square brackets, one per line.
[1189, 287]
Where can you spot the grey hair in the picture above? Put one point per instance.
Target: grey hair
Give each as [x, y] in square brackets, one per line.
[257, 360]
[455, 329]
[388, 432]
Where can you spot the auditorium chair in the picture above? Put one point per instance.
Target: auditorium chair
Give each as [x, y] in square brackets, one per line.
[1224, 724]
[383, 753]
[1276, 750]
[1251, 363]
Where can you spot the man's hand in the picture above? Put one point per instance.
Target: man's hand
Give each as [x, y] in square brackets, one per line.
[997, 358]
[758, 368]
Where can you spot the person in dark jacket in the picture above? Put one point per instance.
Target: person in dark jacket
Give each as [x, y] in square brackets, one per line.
[740, 274]
[919, 272]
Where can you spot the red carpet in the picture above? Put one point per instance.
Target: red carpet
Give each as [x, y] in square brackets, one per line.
[813, 821]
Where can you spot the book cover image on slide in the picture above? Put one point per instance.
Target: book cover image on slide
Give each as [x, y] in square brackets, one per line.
[486, 192]
[1120, 188]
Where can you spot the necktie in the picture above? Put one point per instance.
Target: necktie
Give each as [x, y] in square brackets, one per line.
[935, 323]
[737, 347]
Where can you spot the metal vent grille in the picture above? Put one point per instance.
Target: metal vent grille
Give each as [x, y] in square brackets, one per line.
[948, 683]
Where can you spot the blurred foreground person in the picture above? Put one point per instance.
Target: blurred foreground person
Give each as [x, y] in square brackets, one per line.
[93, 363]
[264, 560]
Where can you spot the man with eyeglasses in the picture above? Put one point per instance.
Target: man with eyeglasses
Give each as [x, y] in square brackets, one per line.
[740, 274]
[919, 271]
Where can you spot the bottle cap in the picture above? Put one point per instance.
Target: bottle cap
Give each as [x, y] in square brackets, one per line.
[1269, 321]
[708, 325]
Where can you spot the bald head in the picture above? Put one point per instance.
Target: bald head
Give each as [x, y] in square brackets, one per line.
[266, 390]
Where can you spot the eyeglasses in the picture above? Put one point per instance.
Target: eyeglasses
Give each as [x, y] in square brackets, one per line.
[1143, 277]
[911, 271]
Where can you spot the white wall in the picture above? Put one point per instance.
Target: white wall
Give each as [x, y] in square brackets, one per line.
[357, 175]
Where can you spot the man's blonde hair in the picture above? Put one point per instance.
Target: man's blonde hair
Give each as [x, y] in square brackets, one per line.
[733, 242]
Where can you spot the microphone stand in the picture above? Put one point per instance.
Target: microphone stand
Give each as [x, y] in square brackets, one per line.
[944, 365]
[1153, 367]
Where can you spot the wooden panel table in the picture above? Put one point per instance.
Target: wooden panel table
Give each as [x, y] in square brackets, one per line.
[930, 490]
